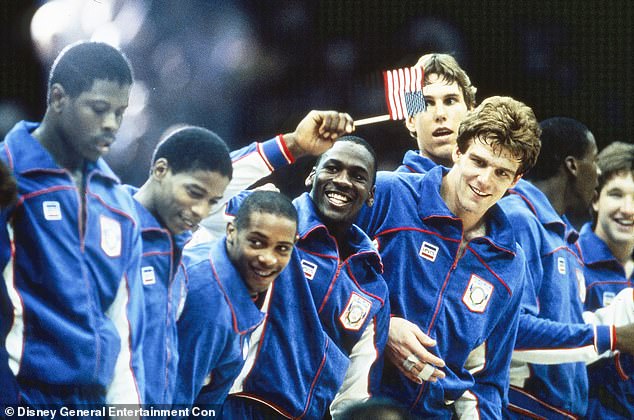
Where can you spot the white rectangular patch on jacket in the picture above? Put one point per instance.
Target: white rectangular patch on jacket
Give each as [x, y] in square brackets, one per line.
[147, 274]
[428, 251]
[309, 269]
[110, 236]
[561, 265]
[52, 210]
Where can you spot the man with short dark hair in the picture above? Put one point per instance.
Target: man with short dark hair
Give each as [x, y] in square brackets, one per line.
[321, 344]
[190, 170]
[74, 334]
[314, 134]
[192, 173]
[548, 374]
[227, 283]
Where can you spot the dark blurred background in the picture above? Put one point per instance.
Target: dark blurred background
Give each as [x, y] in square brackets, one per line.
[251, 69]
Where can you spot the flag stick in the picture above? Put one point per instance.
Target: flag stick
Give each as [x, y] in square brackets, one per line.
[372, 120]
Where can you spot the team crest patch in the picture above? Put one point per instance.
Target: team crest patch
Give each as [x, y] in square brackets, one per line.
[355, 312]
[581, 283]
[110, 236]
[561, 265]
[52, 210]
[478, 294]
[147, 274]
[428, 251]
[309, 269]
[608, 297]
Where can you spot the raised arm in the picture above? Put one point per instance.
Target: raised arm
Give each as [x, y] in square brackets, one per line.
[314, 134]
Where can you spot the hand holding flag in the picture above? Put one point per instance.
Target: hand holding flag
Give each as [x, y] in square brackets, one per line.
[403, 95]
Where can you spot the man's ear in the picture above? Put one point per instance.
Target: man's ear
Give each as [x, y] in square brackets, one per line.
[57, 97]
[370, 201]
[455, 154]
[159, 169]
[410, 123]
[230, 231]
[570, 163]
[310, 178]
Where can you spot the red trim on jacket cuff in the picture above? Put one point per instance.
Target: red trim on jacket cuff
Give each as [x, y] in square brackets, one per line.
[285, 150]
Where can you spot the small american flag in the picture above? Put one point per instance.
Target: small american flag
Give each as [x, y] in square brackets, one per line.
[404, 92]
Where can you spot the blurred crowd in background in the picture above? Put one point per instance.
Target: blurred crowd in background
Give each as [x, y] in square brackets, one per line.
[251, 69]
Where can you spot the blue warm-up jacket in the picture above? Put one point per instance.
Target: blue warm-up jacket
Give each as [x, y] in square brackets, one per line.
[162, 295]
[325, 330]
[74, 287]
[414, 162]
[611, 393]
[552, 337]
[469, 304]
[214, 328]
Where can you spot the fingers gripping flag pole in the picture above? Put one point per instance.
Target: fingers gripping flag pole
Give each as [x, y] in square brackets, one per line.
[403, 95]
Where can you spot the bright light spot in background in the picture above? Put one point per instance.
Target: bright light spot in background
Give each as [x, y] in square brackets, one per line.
[107, 33]
[130, 18]
[94, 14]
[53, 26]
[62, 22]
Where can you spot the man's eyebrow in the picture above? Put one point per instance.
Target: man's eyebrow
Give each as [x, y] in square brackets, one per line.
[196, 186]
[446, 95]
[483, 159]
[331, 160]
[360, 169]
[259, 233]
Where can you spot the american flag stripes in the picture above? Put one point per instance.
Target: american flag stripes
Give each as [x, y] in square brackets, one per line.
[404, 92]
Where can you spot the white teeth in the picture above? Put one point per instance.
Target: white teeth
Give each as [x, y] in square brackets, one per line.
[625, 222]
[263, 273]
[341, 199]
[477, 191]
